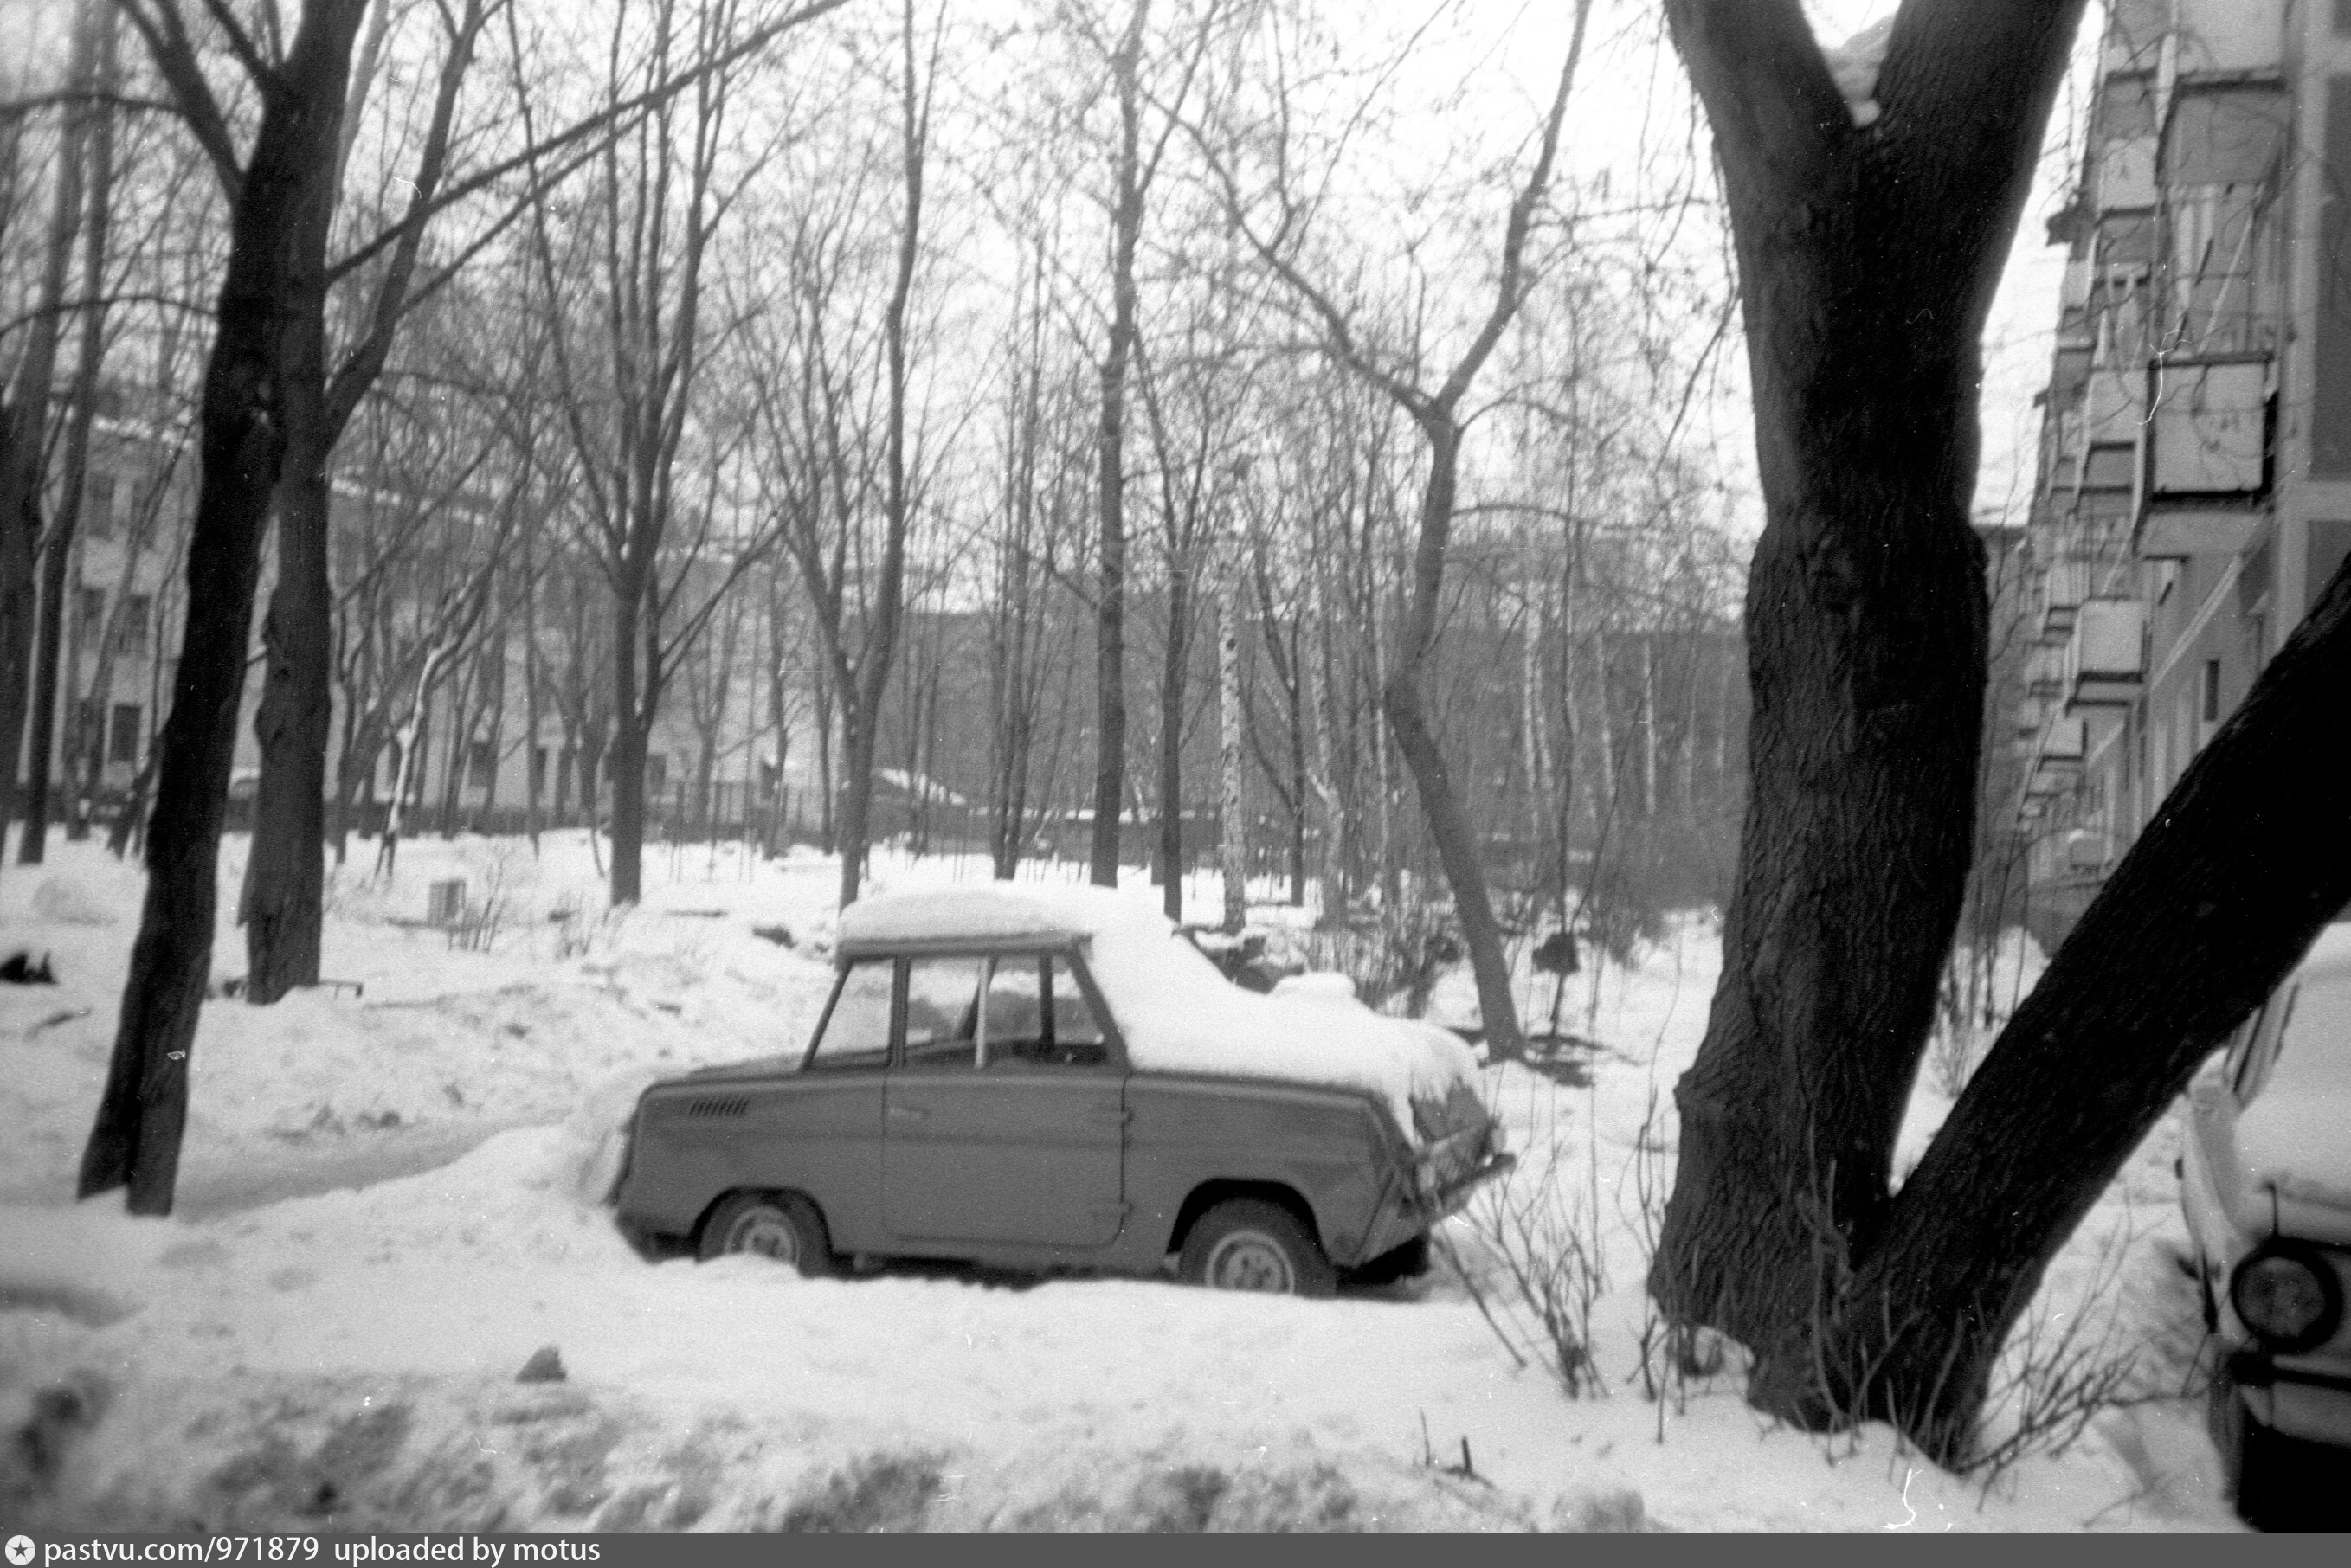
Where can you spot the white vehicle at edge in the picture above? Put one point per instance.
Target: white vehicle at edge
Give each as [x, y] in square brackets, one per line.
[2265, 1179]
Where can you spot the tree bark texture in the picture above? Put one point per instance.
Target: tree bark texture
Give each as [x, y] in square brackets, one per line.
[2248, 857]
[278, 230]
[1174, 671]
[1110, 614]
[1867, 257]
[1232, 841]
[283, 902]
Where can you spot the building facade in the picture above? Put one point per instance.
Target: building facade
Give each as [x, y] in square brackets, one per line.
[2194, 488]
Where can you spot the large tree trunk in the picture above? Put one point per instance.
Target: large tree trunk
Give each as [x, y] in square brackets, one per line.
[1173, 679]
[628, 756]
[1110, 615]
[1867, 257]
[277, 235]
[285, 886]
[1232, 839]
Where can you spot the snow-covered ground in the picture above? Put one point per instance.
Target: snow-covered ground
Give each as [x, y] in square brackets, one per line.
[387, 1208]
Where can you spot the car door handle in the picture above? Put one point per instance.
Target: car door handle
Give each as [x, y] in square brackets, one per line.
[909, 1113]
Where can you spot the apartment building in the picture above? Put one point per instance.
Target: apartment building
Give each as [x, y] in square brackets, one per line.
[2194, 493]
[479, 759]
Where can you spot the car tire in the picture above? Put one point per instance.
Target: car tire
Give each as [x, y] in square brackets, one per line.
[1248, 1244]
[2273, 1480]
[783, 1226]
[1408, 1262]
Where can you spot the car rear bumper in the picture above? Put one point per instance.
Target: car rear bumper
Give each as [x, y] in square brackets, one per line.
[1407, 1212]
[2312, 1406]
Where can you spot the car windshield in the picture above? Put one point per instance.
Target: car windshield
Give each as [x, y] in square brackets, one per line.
[2316, 1051]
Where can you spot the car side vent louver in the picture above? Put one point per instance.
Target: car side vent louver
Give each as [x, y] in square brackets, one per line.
[720, 1106]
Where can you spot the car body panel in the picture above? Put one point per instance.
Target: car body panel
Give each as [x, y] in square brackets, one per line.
[1027, 1156]
[1326, 1146]
[816, 1133]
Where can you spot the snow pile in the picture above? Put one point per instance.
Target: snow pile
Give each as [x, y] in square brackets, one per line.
[1853, 66]
[1175, 1011]
[62, 899]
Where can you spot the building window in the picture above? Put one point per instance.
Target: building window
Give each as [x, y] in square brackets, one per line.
[656, 771]
[89, 618]
[538, 771]
[97, 505]
[127, 734]
[2211, 692]
[136, 608]
[480, 765]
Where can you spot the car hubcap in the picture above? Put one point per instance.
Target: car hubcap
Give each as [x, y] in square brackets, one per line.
[1251, 1261]
[766, 1234]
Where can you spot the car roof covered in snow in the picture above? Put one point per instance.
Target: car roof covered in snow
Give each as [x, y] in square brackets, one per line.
[991, 914]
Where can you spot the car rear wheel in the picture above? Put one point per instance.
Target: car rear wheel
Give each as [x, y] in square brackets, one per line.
[781, 1226]
[1248, 1244]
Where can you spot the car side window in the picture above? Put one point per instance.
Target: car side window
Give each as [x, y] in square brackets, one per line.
[1039, 1017]
[942, 1012]
[856, 1028]
[2240, 1045]
[2255, 1069]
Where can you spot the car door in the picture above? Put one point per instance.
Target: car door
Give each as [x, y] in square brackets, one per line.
[1005, 1116]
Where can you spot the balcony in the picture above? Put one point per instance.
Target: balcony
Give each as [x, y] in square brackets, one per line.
[2044, 672]
[2031, 714]
[2135, 30]
[2057, 760]
[2104, 661]
[2063, 588]
[2115, 406]
[2087, 850]
[2209, 437]
[2228, 37]
[2126, 175]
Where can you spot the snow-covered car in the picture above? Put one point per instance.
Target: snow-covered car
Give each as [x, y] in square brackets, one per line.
[2265, 1178]
[1055, 1078]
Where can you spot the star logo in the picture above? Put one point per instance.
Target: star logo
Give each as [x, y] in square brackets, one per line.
[20, 1550]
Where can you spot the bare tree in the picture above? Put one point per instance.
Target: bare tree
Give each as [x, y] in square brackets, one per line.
[1439, 416]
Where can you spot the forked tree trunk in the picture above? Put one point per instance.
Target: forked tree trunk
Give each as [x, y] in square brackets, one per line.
[276, 230]
[1867, 257]
[2248, 858]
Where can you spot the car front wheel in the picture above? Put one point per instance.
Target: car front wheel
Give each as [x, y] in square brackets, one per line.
[2276, 1481]
[1248, 1244]
[782, 1226]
